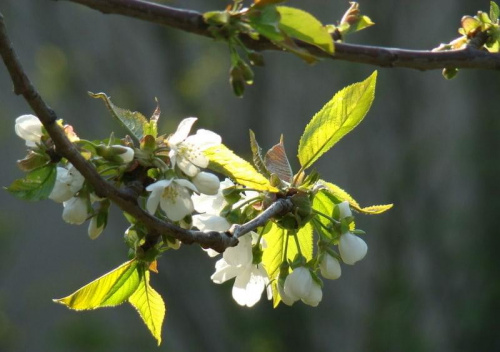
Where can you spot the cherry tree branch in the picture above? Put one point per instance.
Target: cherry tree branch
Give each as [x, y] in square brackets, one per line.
[192, 22]
[123, 198]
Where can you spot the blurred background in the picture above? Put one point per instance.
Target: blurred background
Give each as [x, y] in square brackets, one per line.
[430, 146]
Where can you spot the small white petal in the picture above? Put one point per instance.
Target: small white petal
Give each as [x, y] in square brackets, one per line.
[182, 131]
[211, 253]
[207, 222]
[75, 211]
[330, 267]
[344, 209]
[29, 128]
[94, 231]
[159, 185]
[315, 295]
[206, 183]
[249, 285]
[352, 248]
[180, 206]
[186, 166]
[153, 200]
[186, 183]
[289, 301]
[204, 139]
[298, 283]
[224, 272]
[241, 255]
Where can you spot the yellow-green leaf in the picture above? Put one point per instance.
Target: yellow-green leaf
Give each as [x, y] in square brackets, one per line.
[273, 256]
[224, 161]
[342, 195]
[337, 118]
[109, 290]
[302, 25]
[149, 305]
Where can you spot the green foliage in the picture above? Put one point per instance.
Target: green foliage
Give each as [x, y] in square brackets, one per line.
[277, 162]
[337, 118]
[109, 290]
[36, 185]
[258, 161]
[224, 161]
[149, 305]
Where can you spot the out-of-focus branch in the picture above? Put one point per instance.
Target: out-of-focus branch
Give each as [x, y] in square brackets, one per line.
[192, 21]
[121, 197]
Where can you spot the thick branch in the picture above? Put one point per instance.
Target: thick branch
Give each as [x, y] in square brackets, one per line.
[191, 21]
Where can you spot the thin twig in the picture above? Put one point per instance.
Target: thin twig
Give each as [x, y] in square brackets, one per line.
[192, 21]
[121, 197]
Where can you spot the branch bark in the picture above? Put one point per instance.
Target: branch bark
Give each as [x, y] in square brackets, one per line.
[218, 241]
[192, 22]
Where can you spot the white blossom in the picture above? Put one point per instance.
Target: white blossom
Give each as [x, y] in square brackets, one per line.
[75, 211]
[298, 283]
[29, 128]
[172, 196]
[314, 296]
[330, 267]
[352, 248]
[94, 231]
[344, 209]
[206, 183]
[251, 279]
[187, 151]
[68, 182]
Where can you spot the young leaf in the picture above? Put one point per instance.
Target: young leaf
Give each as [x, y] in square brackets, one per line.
[109, 290]
[257, 156]
[342, 195]
[149, 305]
[151, 128]
[302, 25]
[324, 202]
[337, 118]
[494, 11]
[133, 122]
[36, 185]
[265, 21]
[277, 162]
[224, 161]
[273, 255]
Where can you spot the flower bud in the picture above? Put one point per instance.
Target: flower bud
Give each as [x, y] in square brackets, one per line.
[344, 209]
[352, 248]
[29, 128]
[68, 182]
[95, 230]
[330, 267]
[75, 211]
[284, 297]
[298, 283]
[315, 295]
[206, 183]
[125, 153]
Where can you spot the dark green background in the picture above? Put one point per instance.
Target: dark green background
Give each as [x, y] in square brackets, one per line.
[430, 146]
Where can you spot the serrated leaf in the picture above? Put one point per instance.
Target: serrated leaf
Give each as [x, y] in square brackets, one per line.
[273, 256]
[257, 156]
[342, 195]
[109, 290]
[324, 202]
[132, 121]
[36, 185]
[224, 161]
[151, 128]
[277, 162]
[149, 305]
[265, 21]
[338, 117]
[494, 11]
[302, 25]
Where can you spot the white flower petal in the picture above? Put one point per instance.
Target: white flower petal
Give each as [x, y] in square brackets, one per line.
[182, 131]
[241, 255]
[224, 272]
[75, 211]
[344, 209]
[207, 222]
[154, 200]
[180, 206]
[352, 248]
[298, 283]
[207, 183]
[315, 295]
[211, 253]
[186, 166]
[249, 285]
[204, 139]
[186, 183]
[330, 267]
[29, 128]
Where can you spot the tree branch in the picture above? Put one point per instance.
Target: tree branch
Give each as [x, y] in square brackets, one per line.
[213, 239]
[192, 21]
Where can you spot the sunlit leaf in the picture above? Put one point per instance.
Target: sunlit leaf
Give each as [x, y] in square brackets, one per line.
[342, 195]
[149, 305]
[494, 11]
[36, 185]
[305, 238]
[132, 121]
[266, 2]
[302, 25]
[273, 255]
[257, 155]
[337, 118]
[324, 202]
[224, 161]
[265, 20]
[109, 290]
[277, 162]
